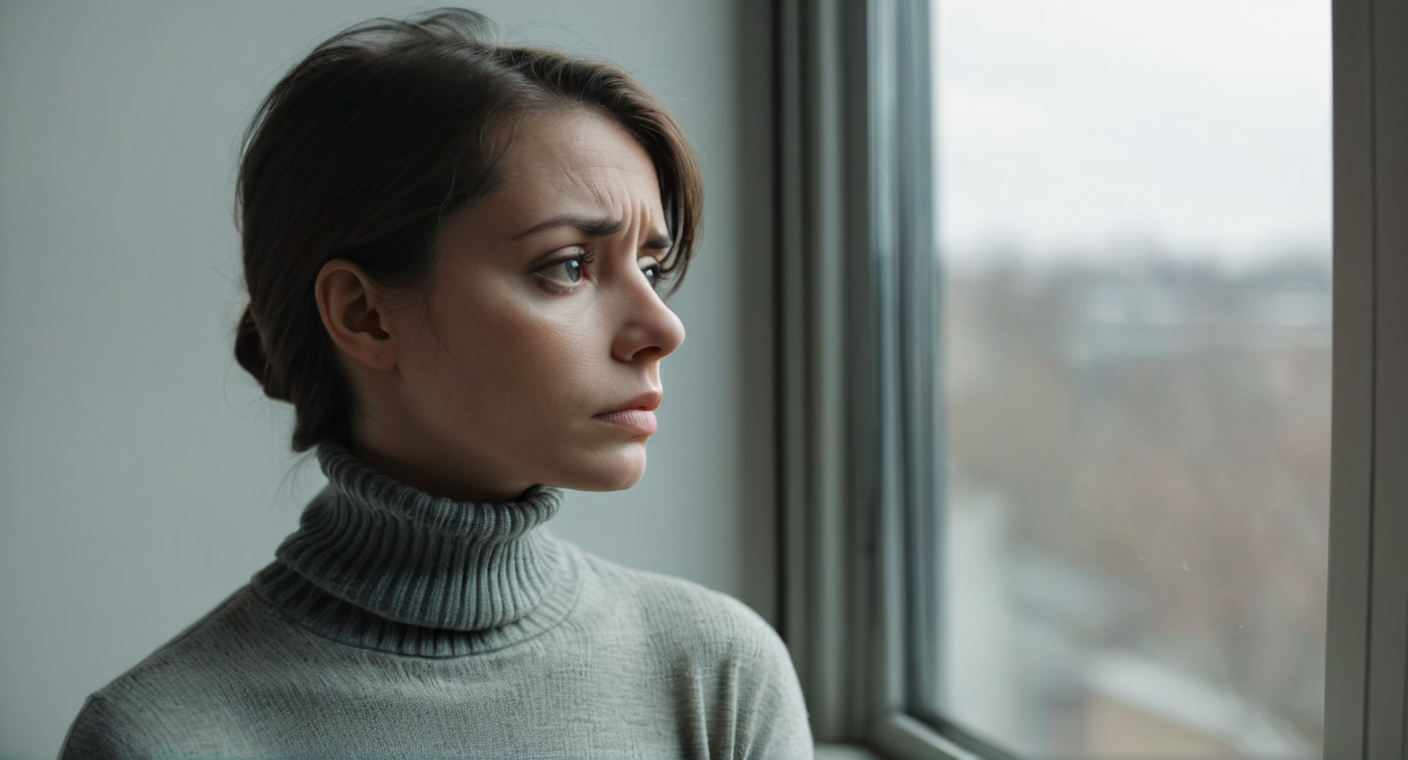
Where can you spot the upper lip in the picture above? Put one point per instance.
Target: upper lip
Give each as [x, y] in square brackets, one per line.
[647, 401]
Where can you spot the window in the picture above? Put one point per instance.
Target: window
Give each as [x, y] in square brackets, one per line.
[1170, 518]
[1133, 215]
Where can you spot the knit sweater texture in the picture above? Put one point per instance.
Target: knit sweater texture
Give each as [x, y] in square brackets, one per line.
[394, 623]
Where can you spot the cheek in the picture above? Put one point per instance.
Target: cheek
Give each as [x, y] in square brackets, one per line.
[512, 365]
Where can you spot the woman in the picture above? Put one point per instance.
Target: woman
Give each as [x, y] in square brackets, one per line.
[453, 250]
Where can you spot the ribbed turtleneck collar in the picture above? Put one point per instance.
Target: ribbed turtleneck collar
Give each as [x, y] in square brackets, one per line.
[379, 564]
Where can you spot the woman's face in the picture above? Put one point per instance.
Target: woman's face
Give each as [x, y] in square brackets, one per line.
[536, 357]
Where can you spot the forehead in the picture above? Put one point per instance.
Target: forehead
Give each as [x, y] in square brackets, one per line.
[577, 160]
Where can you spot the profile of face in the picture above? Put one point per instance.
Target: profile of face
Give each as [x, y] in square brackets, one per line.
[532, 353]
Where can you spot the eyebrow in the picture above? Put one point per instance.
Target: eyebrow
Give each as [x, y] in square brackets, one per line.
[596, 227]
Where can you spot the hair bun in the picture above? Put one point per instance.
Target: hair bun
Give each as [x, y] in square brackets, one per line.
[249, 352]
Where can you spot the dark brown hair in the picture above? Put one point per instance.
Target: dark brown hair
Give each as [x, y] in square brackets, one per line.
[367, 144]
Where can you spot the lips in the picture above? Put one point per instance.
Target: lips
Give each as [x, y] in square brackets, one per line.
[636, 415]
[647, 401]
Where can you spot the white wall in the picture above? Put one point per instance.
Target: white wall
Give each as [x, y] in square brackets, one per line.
[143, 477]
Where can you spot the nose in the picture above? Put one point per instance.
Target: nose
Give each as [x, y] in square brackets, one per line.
[650, 329]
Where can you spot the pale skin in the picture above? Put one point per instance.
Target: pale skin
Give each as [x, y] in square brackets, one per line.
[531, 355]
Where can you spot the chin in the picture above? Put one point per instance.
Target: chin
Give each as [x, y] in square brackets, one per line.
[613, 473]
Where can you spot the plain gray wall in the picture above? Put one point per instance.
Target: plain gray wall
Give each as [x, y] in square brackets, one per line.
[143, 476]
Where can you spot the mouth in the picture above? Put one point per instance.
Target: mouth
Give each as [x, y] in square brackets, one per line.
[636, 415]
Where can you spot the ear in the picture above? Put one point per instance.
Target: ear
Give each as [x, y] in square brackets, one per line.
[354, 315]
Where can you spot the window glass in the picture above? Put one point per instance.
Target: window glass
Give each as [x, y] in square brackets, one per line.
[1133, 216]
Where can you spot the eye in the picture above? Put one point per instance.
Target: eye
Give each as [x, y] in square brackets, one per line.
[568, 271]
[653, 272]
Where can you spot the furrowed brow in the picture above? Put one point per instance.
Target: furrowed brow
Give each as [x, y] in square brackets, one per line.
[657, 242]
[594, 226]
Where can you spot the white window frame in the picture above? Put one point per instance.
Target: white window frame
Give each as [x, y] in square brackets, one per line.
[849, 133]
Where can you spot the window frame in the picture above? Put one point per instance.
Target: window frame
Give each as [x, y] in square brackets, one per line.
[853, 204]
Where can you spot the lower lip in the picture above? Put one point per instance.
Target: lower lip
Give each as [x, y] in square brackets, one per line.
[639, 421]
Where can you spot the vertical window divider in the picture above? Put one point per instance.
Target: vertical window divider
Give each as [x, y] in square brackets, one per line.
[829, 448]
[858, 340]
[1351, 526]
[1366, 684]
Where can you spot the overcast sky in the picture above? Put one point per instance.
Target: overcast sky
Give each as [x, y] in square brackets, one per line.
[1200, 125]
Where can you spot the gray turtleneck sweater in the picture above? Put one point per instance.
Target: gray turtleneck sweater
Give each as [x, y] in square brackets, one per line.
[398, 624]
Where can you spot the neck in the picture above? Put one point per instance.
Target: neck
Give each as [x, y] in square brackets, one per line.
[375, 559]
[433, 469]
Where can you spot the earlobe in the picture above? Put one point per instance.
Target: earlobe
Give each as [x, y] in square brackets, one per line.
[353, 316]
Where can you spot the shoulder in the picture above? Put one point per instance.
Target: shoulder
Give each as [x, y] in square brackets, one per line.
[666, 605]
[177, 694]
[710, 634]
[731, 669]
[237, 630]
